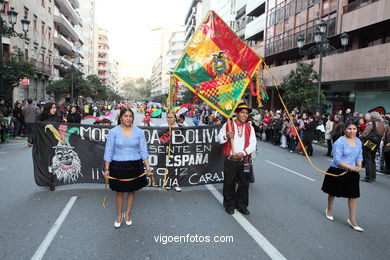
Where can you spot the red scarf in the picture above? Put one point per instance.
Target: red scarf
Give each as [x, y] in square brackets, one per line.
[227, 147]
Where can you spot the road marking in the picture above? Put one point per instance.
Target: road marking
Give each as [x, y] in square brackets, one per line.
[268, 248]
[53, 231]
[2, 152]
[296, 173]
[329, 159]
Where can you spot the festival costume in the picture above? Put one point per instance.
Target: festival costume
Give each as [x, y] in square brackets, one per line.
[126, 155]
[347, 185]
[244, 141]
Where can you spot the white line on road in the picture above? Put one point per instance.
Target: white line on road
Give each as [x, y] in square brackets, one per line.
[329, 159]
[53, 231]
[296, 173]
[268, 248]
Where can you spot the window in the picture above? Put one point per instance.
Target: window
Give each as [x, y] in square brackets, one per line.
[43, 3]
[26, 54]
[314, 12]
[25, 12]
[6, 8]
[301, 18]
[304, 4]
[43, 28]
[298, 9]
[325, 6]
[35, 23]
[49, 33]
[49, 10]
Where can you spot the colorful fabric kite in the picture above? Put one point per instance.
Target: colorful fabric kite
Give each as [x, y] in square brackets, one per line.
[217, 65]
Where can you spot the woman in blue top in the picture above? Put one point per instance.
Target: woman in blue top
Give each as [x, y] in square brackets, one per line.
[125, 155]
[347, 156]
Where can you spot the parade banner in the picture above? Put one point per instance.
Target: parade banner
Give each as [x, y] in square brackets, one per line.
[217, 65]
[70, 153]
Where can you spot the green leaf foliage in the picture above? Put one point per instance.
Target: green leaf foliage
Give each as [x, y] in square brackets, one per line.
[16, 67]
[300, 86]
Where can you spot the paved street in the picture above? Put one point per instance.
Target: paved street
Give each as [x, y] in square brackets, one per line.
[287, 216]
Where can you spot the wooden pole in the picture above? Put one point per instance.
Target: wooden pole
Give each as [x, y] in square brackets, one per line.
[231, 140]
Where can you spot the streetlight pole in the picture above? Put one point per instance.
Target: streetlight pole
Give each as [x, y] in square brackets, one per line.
[72, 69]
[321, 48]
[8, 30]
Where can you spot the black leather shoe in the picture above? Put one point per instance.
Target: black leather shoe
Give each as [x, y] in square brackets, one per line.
[230, 211]
[244, 211]
[366, 180]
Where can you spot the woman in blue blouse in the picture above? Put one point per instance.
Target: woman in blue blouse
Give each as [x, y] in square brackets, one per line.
[347, 156]
[125, 155]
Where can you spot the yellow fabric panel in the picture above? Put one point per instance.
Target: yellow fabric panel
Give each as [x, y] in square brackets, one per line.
[201, 50]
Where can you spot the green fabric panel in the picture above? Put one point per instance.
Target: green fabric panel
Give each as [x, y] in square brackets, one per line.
[191, 72]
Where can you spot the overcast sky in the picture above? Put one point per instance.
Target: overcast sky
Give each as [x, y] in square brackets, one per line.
[129, 23]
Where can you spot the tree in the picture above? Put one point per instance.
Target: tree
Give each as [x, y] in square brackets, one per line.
[97, 90]
[187, 96]
[16, 67]
[60, 87]
[299, 88]
[138, 89]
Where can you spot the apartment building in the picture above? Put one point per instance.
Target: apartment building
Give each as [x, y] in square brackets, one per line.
[226, 9]
[68, 40]
[195, 15]
[157, 78]
[250, 23]
[358, 78]
[102, 50]
[114, 80]
[38, 47]
[88, 16]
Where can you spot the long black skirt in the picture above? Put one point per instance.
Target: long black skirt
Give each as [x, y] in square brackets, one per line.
[346, 186]
[127, 170]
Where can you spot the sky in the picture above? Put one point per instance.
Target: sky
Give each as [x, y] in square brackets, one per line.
[129, 24]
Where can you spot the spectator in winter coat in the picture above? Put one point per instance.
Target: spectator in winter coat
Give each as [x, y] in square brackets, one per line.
[30, 113]
[328, 133]
[337, 128]
[74, 116]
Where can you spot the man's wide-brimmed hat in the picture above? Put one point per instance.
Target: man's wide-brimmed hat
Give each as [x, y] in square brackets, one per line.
[242, 106]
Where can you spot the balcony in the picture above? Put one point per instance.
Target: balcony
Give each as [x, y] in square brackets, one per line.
[360, 14]
[75, 3]
[102, 60]
[65, 27]
[102, 68]
[255, 8]
[254, 28]
[42, 67]
[68, 10]
[59, 61]
[103, 51]
[64, 45]
[343, 67]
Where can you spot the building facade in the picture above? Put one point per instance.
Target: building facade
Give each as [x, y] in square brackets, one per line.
[195, 15]
[226, 9]
[38, 47]
[88, 16]
[358, 78]
[250, 23]
[68, 40]
[157, 88]
[102, 56]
